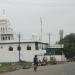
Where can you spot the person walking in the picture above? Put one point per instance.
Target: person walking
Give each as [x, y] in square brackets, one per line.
[35, 63]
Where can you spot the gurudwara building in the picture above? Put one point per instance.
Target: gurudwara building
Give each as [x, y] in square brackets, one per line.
[9, 45]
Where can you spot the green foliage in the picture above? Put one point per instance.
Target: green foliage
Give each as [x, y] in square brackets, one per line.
[69, 45]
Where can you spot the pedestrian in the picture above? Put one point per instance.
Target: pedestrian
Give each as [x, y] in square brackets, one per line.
[35, 63]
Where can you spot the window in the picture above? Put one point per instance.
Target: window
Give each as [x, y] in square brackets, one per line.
[28, 47]
[10, 48]
[3, 38]
[6, 37]
[9, 37]
[36, 45]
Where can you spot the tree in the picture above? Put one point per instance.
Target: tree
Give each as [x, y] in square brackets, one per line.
[69, 45]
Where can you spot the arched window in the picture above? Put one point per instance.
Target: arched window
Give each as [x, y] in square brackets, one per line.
[28, 47]
[4, 38]
[9, 37]
[10, 48]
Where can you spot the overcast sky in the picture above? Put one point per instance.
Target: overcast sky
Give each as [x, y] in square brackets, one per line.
[25, 16]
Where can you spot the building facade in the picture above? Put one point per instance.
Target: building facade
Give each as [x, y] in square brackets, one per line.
[9, 45]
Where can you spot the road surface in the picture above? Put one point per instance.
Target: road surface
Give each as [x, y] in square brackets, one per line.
[61, 69]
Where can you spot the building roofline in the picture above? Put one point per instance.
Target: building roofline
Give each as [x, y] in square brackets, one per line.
[22, 42]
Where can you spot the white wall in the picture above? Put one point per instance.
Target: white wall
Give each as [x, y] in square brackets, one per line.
[13, 56]
[29, 55]
[57, 57]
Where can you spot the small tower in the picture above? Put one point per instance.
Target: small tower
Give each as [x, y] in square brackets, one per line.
[6, 32]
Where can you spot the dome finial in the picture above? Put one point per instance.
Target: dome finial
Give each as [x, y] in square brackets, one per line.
[3, 11]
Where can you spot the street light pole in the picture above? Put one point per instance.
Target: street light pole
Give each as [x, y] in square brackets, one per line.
[19, 49]
[49, 39]
[41, 33]
[41, 27]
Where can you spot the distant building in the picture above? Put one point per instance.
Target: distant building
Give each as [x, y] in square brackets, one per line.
[61, 34]
[55, 52]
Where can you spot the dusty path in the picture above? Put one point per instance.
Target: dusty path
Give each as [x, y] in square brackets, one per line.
[62, 69]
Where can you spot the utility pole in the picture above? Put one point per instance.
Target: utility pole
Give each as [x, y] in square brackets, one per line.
[41, 27]
[41, 33]
[19, 48]
[49, 39]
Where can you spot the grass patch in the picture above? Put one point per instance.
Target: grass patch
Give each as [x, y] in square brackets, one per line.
[8, 67]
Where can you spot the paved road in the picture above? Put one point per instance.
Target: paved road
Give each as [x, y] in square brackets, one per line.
[65, 69]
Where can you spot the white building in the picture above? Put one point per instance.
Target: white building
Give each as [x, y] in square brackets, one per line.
[55, 52]
[9, 45]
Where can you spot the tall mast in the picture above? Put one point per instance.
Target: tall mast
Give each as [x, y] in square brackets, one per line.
[41, 28]
[49, 39]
